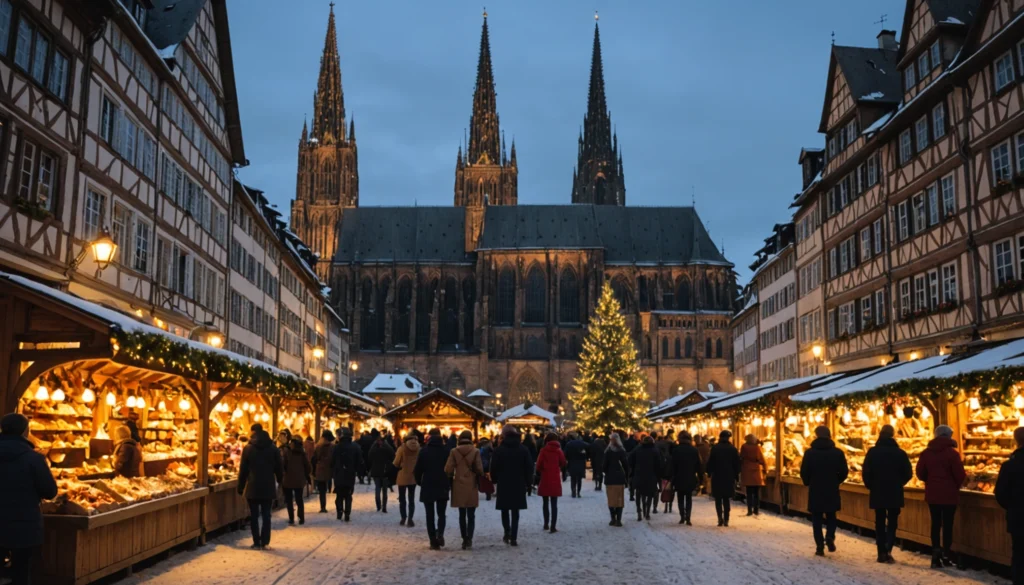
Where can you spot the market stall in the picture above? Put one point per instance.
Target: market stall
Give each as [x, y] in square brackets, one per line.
[86, 375]
[528, 416]
[440, 409]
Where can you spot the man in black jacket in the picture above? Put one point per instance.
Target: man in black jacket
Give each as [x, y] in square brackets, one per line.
[1010, 495]
[724, 469]
[258, 470]
[381, 456]
[886, 470]
[576, 455]
[27, 480]
[434, 484]
[597, 448]
[630, 445]
[346, 464]
[823, 469]
[685, 473]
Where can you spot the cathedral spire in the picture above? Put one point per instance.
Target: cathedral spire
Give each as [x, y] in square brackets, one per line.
[599, 177]
[483, 124]
[329, 103]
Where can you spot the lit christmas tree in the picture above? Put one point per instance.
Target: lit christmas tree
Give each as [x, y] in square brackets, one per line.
[610, 390]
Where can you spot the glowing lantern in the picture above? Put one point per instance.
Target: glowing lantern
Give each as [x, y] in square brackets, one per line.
[1018, 402]
[42, 393]
[140, 402]
[58, 395]
[88, 395]
[237, 413]
[184, 405]
[162, 406]
[130, 403]
[847, 418]
[925, 413]
[111, 399]
[975, 404]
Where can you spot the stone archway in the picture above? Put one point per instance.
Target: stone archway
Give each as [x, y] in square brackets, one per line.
[527, 387]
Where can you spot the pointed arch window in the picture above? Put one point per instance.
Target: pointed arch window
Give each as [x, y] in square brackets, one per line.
[568, 298]
[718, 348]
[668, 297]
[536, 296]
[367, 329]
[641, 284]
[424, 307]
[707, 347]
[448, 336]
[664, 348]
[678, 348]
[400, 328]
[469, 298]
[709, 295]
[381, 310]
[683, 302]
[647, 347]
[620, 289]
[505, 308]
[689, 347]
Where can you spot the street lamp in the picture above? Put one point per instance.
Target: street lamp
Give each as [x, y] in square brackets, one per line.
[328, 376]
[318, 352]
[213, 336]
[103, 250]
[738, 384]
[354, 366]
[816, 351]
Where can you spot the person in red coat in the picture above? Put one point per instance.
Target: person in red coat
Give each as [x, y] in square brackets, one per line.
[550, 464]
[942, 471]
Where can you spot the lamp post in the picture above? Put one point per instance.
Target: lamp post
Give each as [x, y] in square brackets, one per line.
[103, 249]
[213, 336]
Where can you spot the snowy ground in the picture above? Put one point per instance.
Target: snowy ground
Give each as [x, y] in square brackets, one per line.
[374, 549]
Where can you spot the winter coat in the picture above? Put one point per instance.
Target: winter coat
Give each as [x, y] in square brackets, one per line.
[296, 469]
[26, 480]
[309, 447]
[685, 470]
[752, 465]
[646, 467]
[531, 447]
[127, 458]
[704, 450]
[430, 473]
[550, 463]
[405, 461]
[886, 470]
[365, 442]
[823, 469]
[1009, 492]
[576, 455]
[465, 468]
[942, 472]
[664, 447]
[381, 455]
[511, 472]
[615, 467]
[346, 463]
[723, 465]
[321, 460]
[486, 450]
[629, 444]
[260, 468]
[597, 457]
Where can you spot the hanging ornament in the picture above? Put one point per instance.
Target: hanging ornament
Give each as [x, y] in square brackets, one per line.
[140, 402]
[237, 414]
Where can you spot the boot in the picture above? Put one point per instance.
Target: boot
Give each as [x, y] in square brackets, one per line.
[726, 518]
[883, 557]
[819, 551]
[721, 522]
[611, 512]
[947, 559]
[936, 558]
[434, 545]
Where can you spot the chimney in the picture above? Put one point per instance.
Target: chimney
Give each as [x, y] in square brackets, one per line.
[887, 40]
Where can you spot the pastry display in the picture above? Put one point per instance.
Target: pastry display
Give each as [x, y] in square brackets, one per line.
[857, 431]
[797, 434]
[987, 443]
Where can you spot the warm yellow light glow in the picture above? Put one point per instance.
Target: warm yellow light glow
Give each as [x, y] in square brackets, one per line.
[140, 402]
[975, 404]
[88, 395]
[318, 352]
[111, 399]
[103, 250]
[791, 421]
[899, 412]
[245, 406]
[1018, 402]
[328, 376]
[162, 406]
[130, 403]
[758, 421]
[138, 312]
[42, 393]
[215, 340]
[847, 418]
[925, 413]
[827, 363]
[769, 422]
[184, 405]
[914, 355]
[237, 414]
[159, 323]
[354, 366]
[265, 417]
[816, 351]
[738, 384]
[884, 361]
[58, 395]
[942, 351]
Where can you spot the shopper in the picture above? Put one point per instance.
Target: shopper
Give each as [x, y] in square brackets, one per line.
[531, 447]
[26, 481]
[942, 471]
[823, 469]
[321, 462]
[127, 454]
[261, 466]
[631, 444]
[465, 468]
[405, 461]
[724, 468]
[704, 450]
[381, 457]
[685, 474]
[486, 450]
[753, 468]
[597, 448]
[645, 465]
[576, 454]
[511, 472]
[1010, 495]
[297, 471]
[309, 445]
[550, 463]
[615, 469]
[886, 470]
[433, 481]
[346, 465]
[366, 440]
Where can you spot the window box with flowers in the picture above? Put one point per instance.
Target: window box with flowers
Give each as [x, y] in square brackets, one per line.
[1002, 187]
[32, 209]
[1009, 287]
[872, 326]
[946, 307]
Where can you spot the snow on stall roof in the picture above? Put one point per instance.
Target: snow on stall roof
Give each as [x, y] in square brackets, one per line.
[870, 380]
[451, 397]
[758, 392]
[875, 95]
[479, 393]
[393, 384]
[1006, 354]
[522, 410]
[130, 325]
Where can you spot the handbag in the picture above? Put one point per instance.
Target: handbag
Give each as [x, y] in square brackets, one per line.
[486, 486]
[666, 491]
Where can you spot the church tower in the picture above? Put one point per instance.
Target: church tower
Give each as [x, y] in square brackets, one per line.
[485, 174]
[598, 177]
[328, 172]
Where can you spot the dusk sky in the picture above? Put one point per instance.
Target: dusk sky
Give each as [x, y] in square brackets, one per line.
[711, 98]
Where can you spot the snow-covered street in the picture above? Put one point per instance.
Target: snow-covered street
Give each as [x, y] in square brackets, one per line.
[375, 549]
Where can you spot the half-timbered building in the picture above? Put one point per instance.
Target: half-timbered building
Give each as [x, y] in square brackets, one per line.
[810, 259]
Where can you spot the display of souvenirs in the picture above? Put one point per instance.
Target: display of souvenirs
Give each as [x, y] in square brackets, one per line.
[857, 431]
[764, 429]
[988, 441]
[218, 474]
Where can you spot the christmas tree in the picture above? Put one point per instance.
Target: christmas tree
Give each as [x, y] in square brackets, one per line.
[610, 390]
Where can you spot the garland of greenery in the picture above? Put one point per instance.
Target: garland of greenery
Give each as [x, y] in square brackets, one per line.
[151, 350]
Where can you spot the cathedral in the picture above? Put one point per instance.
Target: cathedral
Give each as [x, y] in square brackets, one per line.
[491, 294]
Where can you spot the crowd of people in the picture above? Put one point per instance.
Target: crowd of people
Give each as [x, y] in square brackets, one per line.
[655, 470]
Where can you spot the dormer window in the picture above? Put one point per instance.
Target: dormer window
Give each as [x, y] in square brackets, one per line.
[1004, 71]
[923, 64]
[936, 54]
[909, 80]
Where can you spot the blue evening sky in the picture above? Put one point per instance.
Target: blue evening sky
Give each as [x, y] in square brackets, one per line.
[715, 98]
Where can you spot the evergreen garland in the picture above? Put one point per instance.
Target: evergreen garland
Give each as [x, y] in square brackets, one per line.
[610, 389]
[162, 352]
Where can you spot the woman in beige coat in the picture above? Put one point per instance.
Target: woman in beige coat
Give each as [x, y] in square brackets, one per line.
[405, 462]
[465, 467]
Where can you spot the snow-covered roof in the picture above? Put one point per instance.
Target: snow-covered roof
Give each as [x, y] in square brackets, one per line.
[393, 384]
[479, 393]
[458, 401]
[522, 410]
[870, 380]
[758, 392]
[875, 95]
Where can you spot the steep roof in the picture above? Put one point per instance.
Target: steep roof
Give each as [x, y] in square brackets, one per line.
[402, 234]
[870, 74]
[668, 235]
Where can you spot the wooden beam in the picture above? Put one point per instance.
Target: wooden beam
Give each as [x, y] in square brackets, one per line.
[64, 355]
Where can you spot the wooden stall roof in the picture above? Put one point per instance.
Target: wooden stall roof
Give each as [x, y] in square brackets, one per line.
[434, 400]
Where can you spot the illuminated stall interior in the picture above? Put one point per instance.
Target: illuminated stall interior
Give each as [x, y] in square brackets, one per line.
[440, 409]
